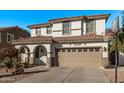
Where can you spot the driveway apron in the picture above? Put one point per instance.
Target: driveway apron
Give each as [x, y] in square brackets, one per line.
[68, 75]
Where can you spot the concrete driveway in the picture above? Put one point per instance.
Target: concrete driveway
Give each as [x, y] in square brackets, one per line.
[68, 75]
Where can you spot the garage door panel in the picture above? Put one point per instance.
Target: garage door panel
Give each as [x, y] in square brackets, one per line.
[81, 57]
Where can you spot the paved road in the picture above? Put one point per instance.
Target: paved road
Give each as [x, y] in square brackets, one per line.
[68, 75]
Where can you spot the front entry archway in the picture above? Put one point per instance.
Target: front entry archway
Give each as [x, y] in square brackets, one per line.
[24, 54]
[40, 55]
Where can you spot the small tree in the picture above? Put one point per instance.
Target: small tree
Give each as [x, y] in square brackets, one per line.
[8, 56]
[120, 42]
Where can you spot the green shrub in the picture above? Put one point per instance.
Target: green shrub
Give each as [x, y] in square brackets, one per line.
[26, 65]
[17, 63]
[8, 63]
[7, 55]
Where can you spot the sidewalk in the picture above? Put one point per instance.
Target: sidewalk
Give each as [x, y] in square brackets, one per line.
[36, 68]
[7, 77]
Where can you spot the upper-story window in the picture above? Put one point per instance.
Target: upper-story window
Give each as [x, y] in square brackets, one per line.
[90, 26]
[10, 37]
[66, 28]
[38, 31]
[49, 30]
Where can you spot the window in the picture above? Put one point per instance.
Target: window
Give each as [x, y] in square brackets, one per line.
[63, 50]
[66, 28]
[85, 50]
[90, 26]
[79, 50]
[68, 50]
[91, 49]
[49, 30]
[38, 31]
[10, 37]
[73, 50]
[96, 49]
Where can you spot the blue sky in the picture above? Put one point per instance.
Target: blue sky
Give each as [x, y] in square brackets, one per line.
[23, 18]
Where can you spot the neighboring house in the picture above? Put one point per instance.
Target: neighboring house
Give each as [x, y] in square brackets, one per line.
[7, 34]
[110, 33]
[71, 41]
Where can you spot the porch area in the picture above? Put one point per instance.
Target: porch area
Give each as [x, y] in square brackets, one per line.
[36, 54]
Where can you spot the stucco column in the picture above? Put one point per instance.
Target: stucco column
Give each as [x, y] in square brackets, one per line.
[48, 60]
[48, 48]
[84, 28]
[31, 58]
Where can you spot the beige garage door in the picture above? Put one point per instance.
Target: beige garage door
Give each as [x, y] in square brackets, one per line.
[86, 57]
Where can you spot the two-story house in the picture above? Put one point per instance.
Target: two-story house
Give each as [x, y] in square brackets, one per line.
[7, 34]
[71, 41]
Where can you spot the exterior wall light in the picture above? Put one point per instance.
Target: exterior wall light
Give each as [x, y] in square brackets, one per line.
[105, 49]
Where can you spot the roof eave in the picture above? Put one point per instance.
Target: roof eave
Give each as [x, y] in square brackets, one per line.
[108, 17]
[50, 22]
[21, 43]
[39, 25]
[90, 41]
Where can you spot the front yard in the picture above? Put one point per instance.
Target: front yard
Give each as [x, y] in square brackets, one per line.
[8, 77]
[110, 73]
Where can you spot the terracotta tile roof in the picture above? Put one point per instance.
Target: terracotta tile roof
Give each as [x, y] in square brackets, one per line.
[109, 32]
[67, 19]
[40, 25]
[101, 16]
[84, 38]
[10, 28]
[32, 40]
[50, 39]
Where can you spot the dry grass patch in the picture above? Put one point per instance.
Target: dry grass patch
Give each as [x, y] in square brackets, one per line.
[110, 73]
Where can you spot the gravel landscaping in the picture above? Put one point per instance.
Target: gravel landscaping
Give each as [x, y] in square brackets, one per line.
[110, 73]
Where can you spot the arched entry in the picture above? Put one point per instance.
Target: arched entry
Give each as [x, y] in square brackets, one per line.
[24, 54]
[40, 55]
